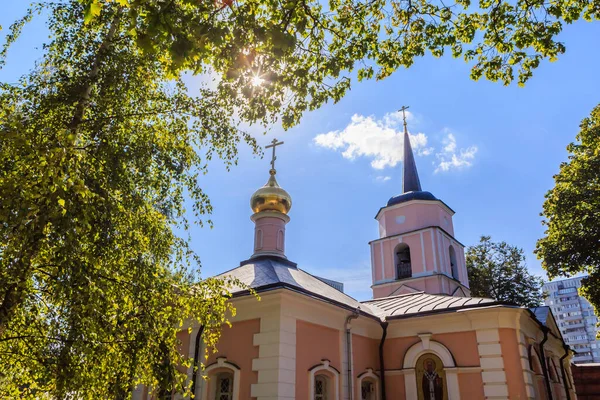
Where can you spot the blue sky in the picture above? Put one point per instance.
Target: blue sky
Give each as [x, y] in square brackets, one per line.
[507, 143]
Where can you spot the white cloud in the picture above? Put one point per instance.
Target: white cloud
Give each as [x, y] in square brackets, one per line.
[378, 139]
[449, 158]
[382, 178]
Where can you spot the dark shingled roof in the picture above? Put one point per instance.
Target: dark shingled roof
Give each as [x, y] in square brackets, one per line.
[267, 273]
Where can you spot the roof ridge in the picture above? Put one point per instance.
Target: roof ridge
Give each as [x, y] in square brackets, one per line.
[396, 296]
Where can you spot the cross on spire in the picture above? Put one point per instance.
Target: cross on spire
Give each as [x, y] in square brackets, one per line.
[273, 145]
[410, 176]
[403, 109]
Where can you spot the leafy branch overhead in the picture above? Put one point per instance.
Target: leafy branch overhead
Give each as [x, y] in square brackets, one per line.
[104, 149]
[305, 49]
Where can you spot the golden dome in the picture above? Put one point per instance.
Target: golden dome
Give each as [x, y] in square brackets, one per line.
[271, 197]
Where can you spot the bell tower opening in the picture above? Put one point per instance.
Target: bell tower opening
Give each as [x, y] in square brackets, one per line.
[453, 263]
[402, 261]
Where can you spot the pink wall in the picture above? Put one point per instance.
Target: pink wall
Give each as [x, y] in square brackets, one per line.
[236, 343]
[267, 239]
[462, 345]
[471, 386]
[314, 343]
[365, 354]
[184, 346]
[512, 364]
[394, 350]
[394, 387]
[416, 216]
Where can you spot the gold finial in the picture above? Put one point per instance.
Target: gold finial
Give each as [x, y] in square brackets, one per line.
[271, 197]
[403, 109]
[274, 143]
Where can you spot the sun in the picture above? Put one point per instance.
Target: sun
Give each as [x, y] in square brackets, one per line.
[257, 81]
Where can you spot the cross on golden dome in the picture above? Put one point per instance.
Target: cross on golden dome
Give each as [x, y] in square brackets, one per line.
[273, 145]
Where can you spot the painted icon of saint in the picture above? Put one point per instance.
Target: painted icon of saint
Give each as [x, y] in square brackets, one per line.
[432, 383]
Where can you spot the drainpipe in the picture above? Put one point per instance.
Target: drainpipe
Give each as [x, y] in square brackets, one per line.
[384, 325]
[352, 316]
[196, 358]
[544, 365]
[562, 368]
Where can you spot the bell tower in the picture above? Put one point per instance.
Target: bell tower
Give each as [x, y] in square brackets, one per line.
[416, 250]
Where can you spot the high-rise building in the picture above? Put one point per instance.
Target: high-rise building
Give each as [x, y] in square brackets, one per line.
[575, 317]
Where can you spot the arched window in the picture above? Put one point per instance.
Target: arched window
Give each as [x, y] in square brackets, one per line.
[258, 242]
[224, 386]
[323, 382]
[368, 385]
[453, 263]
[402, 258]
[321, 387]
[223, 381]
[280, 241]
[367, 390]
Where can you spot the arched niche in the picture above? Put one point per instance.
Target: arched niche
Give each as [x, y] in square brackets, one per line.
[412, 356]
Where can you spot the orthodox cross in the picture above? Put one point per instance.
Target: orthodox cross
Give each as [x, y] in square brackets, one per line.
[274, 143]
[403, 109]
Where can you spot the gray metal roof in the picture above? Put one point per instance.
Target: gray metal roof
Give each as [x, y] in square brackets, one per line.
[408, 305]
[267, 273]
[264, 273]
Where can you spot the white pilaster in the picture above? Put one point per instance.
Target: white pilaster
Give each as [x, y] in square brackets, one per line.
[492, 364]
[276, 362]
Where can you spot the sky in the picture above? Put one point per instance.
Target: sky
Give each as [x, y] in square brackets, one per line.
[488, 151]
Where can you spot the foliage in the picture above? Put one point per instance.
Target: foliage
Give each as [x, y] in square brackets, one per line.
[102, 142]
[99, 149]
[572, 213]
[498, 270]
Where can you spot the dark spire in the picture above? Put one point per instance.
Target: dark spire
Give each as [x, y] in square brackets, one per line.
[410, 176]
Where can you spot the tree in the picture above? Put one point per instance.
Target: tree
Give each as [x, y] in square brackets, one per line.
[571, 242]
[498, 270]
[102, 143]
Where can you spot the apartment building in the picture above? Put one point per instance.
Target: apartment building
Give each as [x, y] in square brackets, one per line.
[575, 317]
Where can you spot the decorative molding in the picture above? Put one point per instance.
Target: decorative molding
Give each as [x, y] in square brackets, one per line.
[425, 339]
[410, 361]
[368, 374]
[222, 363]
[324, 366]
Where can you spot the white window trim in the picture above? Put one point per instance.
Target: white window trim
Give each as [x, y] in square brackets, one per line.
[426, 345]
[223, 363]
[368, 374]
[324, 366]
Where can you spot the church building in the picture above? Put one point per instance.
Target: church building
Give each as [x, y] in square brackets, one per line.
[421, 337]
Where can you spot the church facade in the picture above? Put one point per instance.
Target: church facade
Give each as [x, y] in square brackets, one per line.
[421, 337]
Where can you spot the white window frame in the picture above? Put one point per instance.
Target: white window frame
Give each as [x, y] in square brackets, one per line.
[314, 371]
[222, 363]
[369, 374]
